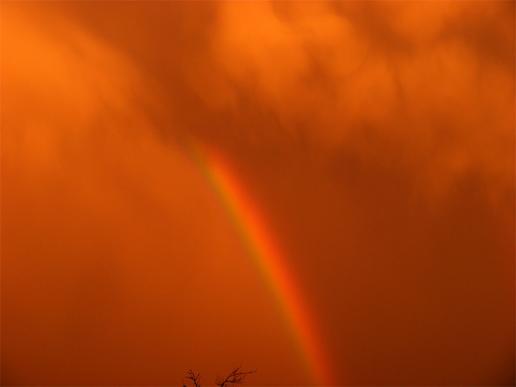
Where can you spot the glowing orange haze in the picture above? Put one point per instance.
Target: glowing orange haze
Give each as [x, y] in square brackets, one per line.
[376, 140]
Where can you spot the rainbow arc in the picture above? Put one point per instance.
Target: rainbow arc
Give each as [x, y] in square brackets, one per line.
[267, 257]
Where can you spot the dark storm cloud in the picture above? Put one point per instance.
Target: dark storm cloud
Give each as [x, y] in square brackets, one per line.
[377, 136]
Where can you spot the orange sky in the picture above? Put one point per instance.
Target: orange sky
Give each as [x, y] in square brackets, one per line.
[376, 140]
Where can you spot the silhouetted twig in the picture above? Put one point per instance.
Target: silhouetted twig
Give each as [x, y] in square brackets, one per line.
[235, 377]
[194, 377]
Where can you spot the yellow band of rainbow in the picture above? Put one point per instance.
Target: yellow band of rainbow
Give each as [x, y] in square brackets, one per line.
[266, 256]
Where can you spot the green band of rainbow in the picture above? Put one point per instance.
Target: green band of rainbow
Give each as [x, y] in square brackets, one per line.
[267, 257]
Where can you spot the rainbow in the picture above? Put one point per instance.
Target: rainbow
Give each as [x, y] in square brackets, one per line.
[266, 255]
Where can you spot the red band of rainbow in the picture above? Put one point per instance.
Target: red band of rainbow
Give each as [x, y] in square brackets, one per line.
[267, 257]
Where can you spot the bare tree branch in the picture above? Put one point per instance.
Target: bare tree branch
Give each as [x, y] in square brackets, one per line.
[195, 378]
[235, 377]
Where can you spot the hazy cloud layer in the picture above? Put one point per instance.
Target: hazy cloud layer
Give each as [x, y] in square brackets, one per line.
[378, 137]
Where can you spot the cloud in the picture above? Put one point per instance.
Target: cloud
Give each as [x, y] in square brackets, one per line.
[377, 137]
